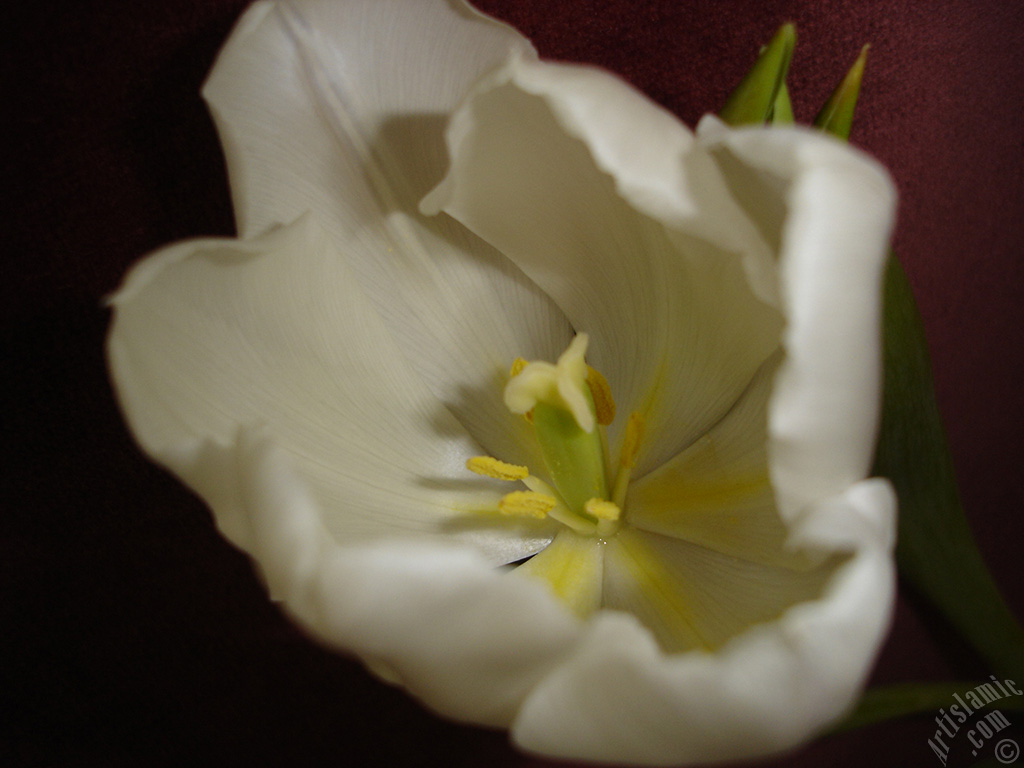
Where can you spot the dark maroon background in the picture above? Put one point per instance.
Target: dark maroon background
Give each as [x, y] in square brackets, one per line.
[133, 635]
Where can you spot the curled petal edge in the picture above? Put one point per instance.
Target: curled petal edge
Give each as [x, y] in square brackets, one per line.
[457, 633]
[561, 683]
[839, 210]
[619, 698]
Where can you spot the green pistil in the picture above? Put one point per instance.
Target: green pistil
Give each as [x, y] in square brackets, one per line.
[574, 458]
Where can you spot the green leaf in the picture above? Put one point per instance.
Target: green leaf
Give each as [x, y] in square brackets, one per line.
[753, 99]
[893, 701]
[936, 552]
[782, 108]
[836, 116]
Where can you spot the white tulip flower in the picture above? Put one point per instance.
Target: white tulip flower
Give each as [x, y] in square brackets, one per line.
[421, 203]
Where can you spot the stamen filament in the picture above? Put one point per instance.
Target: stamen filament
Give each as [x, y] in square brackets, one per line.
[499, 470]
[537, 485]
[560, 512]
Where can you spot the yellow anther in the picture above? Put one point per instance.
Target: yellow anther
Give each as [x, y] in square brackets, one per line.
[602, 509]
[527, 504]
[499, 470]
[627, 459]
[631, 442]
[604, 405]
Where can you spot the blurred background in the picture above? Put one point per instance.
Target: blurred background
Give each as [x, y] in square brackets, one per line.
[131, 634]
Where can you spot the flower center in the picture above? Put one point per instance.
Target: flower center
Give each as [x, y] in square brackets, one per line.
[569, 404]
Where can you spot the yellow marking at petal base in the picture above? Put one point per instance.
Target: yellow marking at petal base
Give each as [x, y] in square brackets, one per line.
[573, 567]
[602, 509]
[604, 404]
[646, 587]
[731, 514]
[526, 504]
[499, 470]
[722, 493]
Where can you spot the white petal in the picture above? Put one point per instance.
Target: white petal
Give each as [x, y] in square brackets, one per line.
[313, 97]
[212, 335]
[692, 597]
[828, 209]
[717, 493]
[338, 109]
[598, 195]
[620, 698]
[468, 639]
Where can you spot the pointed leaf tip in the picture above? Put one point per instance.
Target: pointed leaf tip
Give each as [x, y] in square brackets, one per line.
[754, 98]
[782, 109]
[836, 117]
